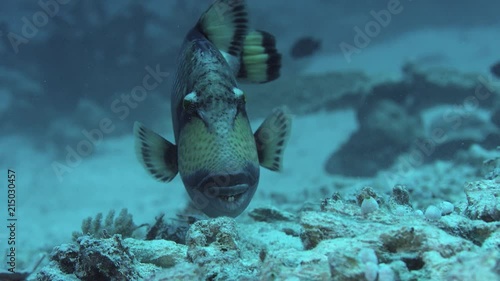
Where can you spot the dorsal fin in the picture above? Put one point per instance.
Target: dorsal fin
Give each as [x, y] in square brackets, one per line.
[225, 24]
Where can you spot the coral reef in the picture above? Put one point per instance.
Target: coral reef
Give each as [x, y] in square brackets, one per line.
[93, 259]
[392, 115]
[123, 225]
[175, 230]
[213, 246]
[270, 214]
[342, 241]
[483, 200]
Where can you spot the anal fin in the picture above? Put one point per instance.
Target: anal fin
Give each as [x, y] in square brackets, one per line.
[156, 154]
[271, 138]
[260, 60]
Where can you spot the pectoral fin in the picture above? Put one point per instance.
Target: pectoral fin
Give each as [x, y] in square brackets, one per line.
[156, 154]
[272, 137]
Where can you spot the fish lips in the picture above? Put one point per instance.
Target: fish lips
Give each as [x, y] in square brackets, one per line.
[222, 194]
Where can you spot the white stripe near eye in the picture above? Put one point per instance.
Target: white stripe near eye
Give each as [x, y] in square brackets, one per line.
[191, 97]
[237, 92]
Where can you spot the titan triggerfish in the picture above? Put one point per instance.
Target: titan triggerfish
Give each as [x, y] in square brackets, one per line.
[216, 153]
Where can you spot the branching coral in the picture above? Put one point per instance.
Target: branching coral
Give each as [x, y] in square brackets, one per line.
[123, 224]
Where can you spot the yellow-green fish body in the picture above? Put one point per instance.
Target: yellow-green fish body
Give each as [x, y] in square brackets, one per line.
[216, 153]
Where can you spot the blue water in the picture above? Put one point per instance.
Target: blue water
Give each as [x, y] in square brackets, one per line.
[69, 71]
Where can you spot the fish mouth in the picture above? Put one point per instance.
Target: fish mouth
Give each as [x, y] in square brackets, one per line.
[228, 201]
[227, 188]
[232, 193]
[224, 194]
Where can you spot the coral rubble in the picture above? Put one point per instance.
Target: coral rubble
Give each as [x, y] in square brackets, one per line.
[342, 241]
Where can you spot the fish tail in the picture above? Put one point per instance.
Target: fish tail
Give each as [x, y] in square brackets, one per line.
[260, 61]
[225, 24]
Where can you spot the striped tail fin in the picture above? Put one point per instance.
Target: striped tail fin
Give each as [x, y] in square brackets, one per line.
[260, 61]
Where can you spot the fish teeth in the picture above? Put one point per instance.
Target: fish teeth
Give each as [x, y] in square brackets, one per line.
[230, 198]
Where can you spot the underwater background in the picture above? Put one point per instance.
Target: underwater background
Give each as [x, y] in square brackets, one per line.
[392, 170]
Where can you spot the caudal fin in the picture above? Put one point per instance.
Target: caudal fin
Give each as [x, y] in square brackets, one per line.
[271, 138]
[157, 155]
[260, 61]
[225, 24]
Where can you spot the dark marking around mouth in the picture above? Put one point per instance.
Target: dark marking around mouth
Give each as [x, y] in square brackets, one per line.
[223, 194]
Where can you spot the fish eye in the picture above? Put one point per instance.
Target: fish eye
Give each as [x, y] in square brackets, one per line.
[189, 101]
[240, 95]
